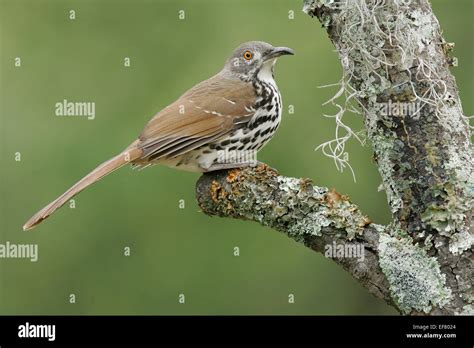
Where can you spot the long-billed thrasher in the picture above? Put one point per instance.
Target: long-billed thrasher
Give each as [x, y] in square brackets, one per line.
[239, 110]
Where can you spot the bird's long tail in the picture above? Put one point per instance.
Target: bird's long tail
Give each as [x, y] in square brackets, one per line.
[127, 156]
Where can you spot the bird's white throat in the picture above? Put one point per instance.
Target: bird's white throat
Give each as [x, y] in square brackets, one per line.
[266, 72]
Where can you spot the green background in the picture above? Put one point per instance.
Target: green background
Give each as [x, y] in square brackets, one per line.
[173, 250]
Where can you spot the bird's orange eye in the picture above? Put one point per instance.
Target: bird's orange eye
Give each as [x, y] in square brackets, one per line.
[248, 55]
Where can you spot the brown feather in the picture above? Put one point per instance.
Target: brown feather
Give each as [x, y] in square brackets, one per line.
[130, 154]
[209, 110]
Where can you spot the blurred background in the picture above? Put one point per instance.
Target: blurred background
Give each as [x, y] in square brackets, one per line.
[172, 250]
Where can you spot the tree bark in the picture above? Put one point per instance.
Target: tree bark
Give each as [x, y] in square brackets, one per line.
[396, 68]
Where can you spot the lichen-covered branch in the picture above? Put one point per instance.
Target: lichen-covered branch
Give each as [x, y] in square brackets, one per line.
[321, 218]
[395, 66]
[314, 216]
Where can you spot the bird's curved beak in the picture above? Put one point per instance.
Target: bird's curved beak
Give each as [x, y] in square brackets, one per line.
[276, 52]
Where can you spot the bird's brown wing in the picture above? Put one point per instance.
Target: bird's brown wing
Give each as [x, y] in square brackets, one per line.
[205, 113]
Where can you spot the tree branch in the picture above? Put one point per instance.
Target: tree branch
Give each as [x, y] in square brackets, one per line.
[396, 69]
[393, 54]
[308, 214]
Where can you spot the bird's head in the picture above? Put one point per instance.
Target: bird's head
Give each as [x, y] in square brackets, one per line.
[254, 59]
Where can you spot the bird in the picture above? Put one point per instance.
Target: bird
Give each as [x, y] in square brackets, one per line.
[237, 110]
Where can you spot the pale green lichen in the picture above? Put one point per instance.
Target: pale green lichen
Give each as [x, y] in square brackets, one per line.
[460, 242]
[386, 149]
[466, 310]
[448, 217]
[310, 6]
[415, 279]
[311, 224]
[307, 210]
[347, 216]
[288, 184]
